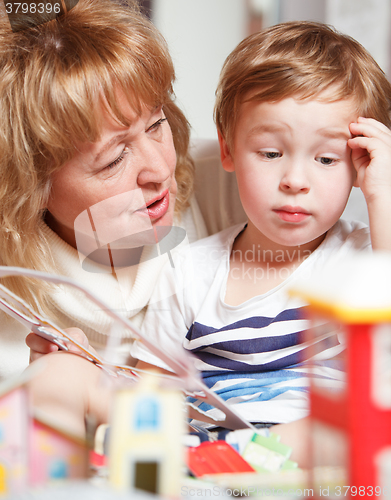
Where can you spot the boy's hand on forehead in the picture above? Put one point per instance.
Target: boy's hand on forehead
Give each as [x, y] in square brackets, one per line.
[371, 157]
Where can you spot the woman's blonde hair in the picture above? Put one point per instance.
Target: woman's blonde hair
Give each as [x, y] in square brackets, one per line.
[300, 59]
[52, 78]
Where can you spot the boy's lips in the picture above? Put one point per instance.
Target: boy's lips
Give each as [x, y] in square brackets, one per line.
[157, 207]
[289, 213]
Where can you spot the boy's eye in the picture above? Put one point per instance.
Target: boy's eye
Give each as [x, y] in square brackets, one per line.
[325, 160]
[270, 155]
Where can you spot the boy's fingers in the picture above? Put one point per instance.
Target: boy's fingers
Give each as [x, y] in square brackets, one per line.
[371, 129]
[365, 143]
[374, 123]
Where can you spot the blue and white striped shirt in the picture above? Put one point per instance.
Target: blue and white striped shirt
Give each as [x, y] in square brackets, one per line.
[256, 355]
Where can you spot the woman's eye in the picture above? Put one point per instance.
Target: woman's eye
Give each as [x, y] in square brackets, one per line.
[118, 160]
[156, 125]
[324, 160]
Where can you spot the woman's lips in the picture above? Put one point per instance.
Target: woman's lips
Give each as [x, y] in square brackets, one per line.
[157, 208]
[292, 214]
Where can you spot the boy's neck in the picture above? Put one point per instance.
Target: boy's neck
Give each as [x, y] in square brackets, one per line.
[251, 246]
[257, 265]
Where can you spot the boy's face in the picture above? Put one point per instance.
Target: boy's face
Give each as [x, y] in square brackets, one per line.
[293, 167]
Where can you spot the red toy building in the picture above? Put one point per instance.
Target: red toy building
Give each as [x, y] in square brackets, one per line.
[354, 297]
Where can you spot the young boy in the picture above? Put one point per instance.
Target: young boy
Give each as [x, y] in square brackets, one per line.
[289, 110]
[290, 115]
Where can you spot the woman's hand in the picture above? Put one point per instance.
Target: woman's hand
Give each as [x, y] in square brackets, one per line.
[40, 346]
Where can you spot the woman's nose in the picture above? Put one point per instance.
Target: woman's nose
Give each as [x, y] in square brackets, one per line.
[156, 163]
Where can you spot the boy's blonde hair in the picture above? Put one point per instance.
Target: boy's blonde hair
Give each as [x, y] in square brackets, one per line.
[300, 59]
[53, 79]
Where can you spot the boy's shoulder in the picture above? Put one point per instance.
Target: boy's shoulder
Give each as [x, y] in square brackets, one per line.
[355, 232]
[343, 238]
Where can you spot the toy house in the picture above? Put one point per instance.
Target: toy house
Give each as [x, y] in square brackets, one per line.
[147, 427]
[32, 452]
[355, 297]
[55, 454]
[14, 460]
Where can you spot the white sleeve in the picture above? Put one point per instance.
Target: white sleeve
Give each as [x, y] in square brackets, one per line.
[165, 323]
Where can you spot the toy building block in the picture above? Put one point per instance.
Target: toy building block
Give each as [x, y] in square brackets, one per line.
[216, 458]
[267, 454]
[145, 445]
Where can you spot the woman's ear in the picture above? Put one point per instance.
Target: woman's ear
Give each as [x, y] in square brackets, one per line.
[45, 194]
[225, 155]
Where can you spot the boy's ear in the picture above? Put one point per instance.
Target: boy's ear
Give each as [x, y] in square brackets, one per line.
[355, 181]
[225, 155]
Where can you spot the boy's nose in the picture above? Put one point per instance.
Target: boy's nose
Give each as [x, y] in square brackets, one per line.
[295, 179]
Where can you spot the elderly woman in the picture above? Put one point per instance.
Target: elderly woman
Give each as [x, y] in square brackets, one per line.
[89, 132]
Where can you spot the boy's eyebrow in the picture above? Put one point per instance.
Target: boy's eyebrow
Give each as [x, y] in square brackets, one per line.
[267, 127]
[331, 133]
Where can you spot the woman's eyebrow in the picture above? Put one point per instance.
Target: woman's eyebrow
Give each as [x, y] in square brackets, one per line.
[108, 145]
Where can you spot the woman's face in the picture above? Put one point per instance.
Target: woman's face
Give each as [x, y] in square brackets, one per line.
[119, 186]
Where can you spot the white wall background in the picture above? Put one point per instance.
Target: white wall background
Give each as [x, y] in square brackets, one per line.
[368, 21]
[201, 33]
